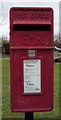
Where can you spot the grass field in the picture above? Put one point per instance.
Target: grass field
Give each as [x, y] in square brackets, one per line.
[6, 111]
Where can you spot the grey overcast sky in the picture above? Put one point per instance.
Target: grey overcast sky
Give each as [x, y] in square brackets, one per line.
[5, 7]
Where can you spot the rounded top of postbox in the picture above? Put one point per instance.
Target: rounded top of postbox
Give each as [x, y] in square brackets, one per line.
[31, 15]
[43, 9]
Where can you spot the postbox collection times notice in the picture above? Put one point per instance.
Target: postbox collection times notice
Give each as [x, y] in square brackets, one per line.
[32, 76]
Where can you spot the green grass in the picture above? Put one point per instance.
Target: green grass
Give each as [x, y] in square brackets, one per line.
[6, 111]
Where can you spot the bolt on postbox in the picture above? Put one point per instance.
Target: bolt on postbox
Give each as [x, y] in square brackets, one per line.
[31, 59]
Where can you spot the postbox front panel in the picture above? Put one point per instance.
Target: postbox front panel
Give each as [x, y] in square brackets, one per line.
[31, 59]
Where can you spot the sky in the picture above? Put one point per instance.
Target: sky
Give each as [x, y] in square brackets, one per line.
[5, 10]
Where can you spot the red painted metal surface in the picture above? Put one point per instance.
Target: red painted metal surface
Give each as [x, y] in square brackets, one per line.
[31, 29]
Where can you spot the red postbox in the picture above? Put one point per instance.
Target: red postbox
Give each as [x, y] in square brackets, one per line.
[31, 59]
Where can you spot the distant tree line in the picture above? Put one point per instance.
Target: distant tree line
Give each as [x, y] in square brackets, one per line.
[57, 43]
[5, 44]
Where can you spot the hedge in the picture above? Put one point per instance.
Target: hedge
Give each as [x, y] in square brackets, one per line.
[58, 59]
[6, 46]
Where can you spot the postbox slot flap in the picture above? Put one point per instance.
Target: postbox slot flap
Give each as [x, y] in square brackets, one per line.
[32, 23]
